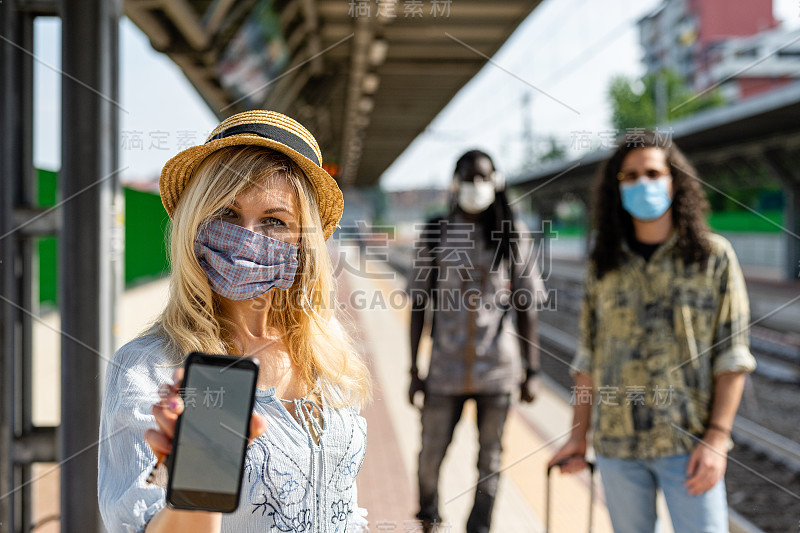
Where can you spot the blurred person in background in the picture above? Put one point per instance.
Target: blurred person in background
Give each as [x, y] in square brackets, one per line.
[663, 349]
[475, 283]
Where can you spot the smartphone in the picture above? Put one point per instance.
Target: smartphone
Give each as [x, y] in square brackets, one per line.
[211, 434]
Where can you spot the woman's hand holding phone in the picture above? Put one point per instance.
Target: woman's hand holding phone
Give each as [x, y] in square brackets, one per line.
[166, 412]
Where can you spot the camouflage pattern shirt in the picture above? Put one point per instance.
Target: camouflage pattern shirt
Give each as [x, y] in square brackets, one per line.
[476, 347]
[653, 335]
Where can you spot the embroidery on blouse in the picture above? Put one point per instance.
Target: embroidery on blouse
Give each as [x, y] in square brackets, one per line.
[297, 524]
[340, 511]
[280, 486]
[345, 471]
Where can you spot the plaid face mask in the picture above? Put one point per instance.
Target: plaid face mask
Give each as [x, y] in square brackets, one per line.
[241, 264]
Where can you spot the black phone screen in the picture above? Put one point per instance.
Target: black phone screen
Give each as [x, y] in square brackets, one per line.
[212, 432]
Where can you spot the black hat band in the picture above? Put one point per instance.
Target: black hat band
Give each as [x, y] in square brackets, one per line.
[273, 133]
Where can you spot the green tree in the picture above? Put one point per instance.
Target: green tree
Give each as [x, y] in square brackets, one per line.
[634, 102]
[555, 151]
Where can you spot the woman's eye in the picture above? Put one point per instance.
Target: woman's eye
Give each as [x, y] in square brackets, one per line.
[226, 212]
[273, 222]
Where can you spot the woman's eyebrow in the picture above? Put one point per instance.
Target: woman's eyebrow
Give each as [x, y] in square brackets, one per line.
[279, 209]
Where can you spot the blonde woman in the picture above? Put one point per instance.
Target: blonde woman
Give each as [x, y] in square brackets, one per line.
[251, 210]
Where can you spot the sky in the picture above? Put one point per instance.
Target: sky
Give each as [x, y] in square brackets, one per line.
[562, 58]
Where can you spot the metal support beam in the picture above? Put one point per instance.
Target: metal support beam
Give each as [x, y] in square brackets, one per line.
[36, 221]
[791, 212]
[160, 39]
[213, 95]
[48, 8]
[87, 288]
[288, 97]
[353, 131]
[315, 42]
[17, 191]
[39, 446]
[215, 14]
[186, 19]
[284, 90]
[288, 13]
[296, 39]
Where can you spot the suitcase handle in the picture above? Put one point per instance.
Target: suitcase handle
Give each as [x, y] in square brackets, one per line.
[590, 466]
[565, 460]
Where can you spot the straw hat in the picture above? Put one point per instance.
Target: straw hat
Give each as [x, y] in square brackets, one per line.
[259, 128]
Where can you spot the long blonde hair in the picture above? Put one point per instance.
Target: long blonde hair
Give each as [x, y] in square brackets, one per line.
[306, 313]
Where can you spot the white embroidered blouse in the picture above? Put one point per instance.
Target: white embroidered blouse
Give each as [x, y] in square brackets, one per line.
[290, 484]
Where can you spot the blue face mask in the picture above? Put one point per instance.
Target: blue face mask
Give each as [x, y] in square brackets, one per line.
[646, 199]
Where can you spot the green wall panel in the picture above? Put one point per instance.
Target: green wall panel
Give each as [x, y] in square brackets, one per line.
[145, 244]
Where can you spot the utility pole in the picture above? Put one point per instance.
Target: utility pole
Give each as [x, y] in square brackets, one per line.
[527, 129]
[661, 96]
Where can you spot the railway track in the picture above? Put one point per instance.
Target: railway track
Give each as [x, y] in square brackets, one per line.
[778, 354]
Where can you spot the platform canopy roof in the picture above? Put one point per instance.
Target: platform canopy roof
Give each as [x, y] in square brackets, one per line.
[744, 141]
[365, 76]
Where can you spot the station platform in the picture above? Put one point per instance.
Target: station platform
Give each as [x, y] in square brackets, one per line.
[374, 298]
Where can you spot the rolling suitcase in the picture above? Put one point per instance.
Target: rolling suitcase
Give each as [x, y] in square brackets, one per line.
[591, 493]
